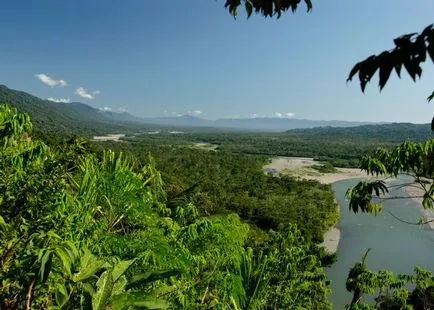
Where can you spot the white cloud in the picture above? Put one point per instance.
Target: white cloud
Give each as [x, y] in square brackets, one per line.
[82, 92]
[114, 110]
[278, 114]
[60, 100]
[195, 112]
[44, 78]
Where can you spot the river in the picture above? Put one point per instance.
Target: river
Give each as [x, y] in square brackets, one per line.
[395, 246]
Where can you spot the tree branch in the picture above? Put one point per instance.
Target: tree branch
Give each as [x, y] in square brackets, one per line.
[396, 197]
[407, 222]
[29, 293]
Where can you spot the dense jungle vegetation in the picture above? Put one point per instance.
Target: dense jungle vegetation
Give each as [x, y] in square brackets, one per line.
[342, 147]
[219, 182]
[83, 229]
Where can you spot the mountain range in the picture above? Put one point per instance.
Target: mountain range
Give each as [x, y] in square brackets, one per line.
[80, 118]
[74, 117]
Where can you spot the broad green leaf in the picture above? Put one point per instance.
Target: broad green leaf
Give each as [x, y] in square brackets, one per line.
[103, 291]
[428, 202]
[151, 304]
[138, 299]
[119, 285]
[88, 288]
[148, 277]
[66, 259]
[3, 224]
[46, 264]
[71, 248]
[120, 268]
[375, 208]
[53, 235]
[61, 295]
[89, 265]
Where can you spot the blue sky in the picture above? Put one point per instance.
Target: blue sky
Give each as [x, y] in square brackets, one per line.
[156, 58]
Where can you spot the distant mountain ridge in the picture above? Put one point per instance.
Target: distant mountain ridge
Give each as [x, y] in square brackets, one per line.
[393, 132]
[79, 118]
[255, 124]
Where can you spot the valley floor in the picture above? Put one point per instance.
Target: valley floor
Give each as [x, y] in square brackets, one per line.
[301, 167]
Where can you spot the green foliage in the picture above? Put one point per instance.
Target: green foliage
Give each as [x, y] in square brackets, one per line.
[342, 147]
[218, 182]
[84, 230]
[403, 291]
[325, 168]
[413, 159]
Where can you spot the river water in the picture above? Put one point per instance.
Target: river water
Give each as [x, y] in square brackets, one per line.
[395, 246]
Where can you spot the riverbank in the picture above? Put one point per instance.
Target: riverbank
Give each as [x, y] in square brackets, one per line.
[416, 192]
[301, 167]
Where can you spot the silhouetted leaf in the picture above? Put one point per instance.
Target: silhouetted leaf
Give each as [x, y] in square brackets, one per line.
[413, 69]
[267, 8]
[410, 51]
[386, 68]
[427, 30]
[354, 70]
[430, 48]
[431, 97]
[367, 70]
[404, 40]
[309, 5]
[421, 48]
[249, 9]
[398, 69]
[432, 124]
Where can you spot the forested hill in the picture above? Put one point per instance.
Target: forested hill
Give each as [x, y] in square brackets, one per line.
[392, 133]
[67, 118]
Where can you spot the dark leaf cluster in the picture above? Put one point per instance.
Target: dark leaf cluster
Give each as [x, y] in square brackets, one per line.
[410, 52]
[267, 8]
